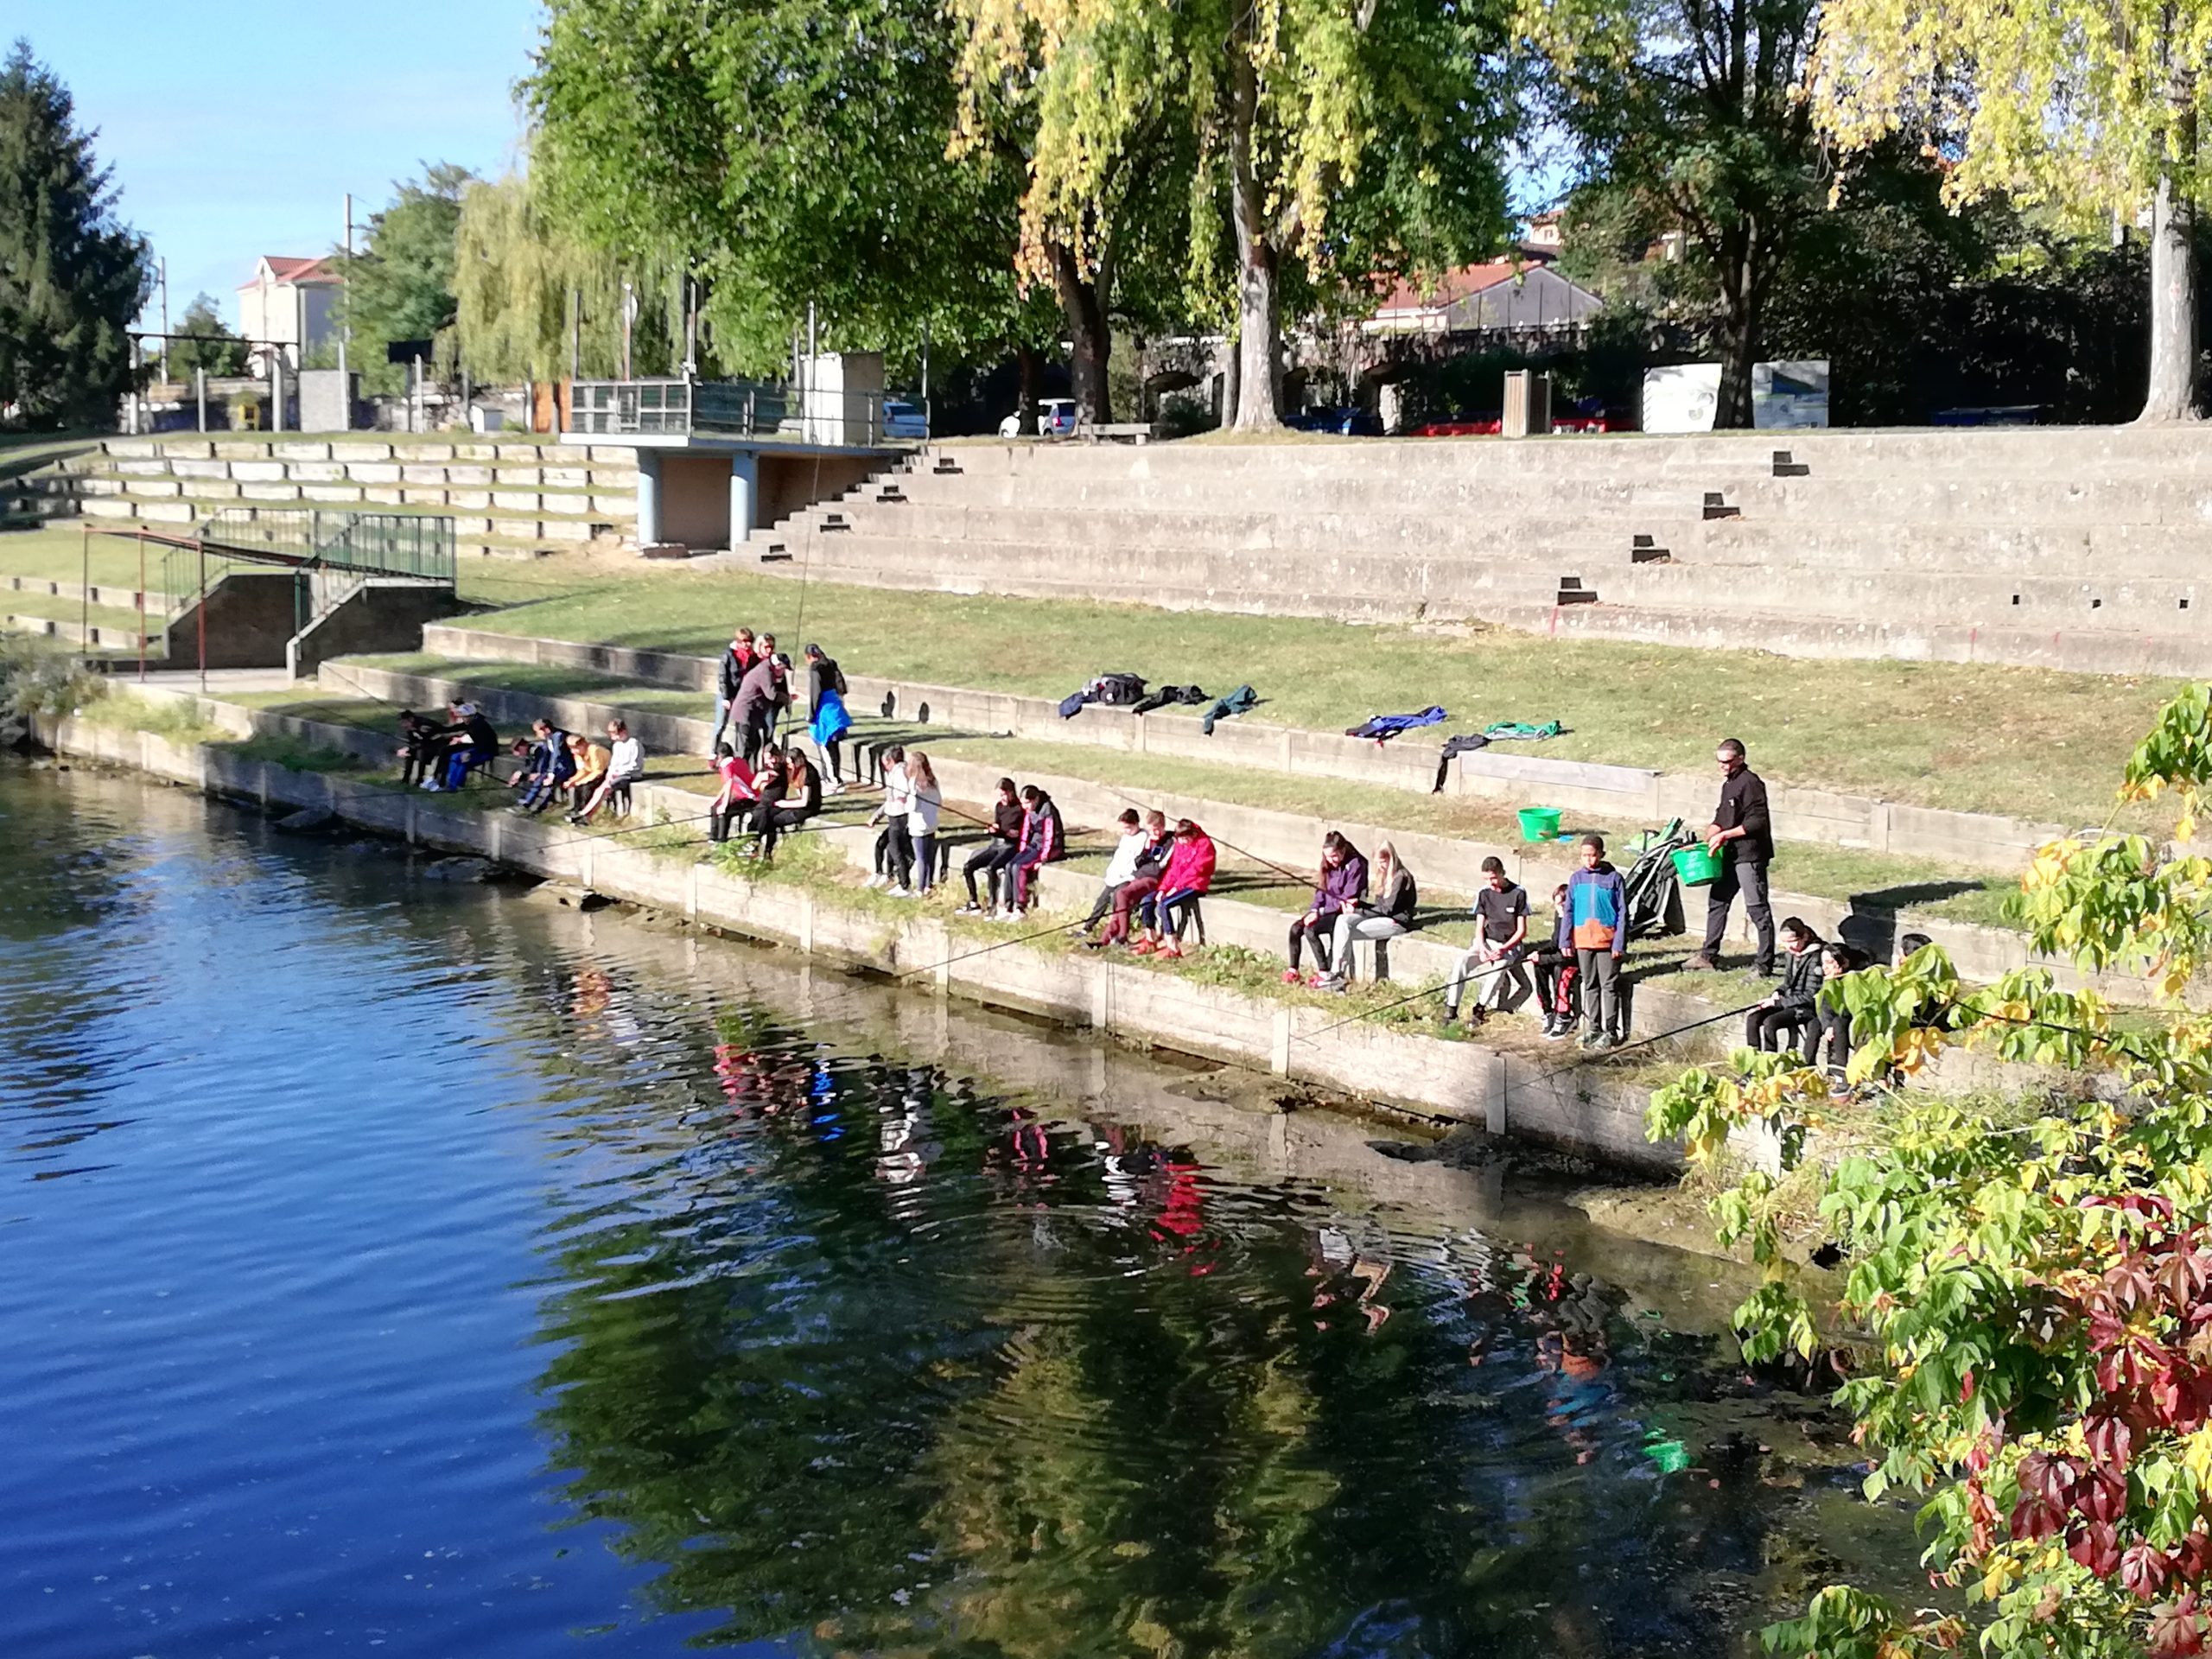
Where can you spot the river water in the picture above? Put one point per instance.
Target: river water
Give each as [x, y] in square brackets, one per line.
[394, 1266]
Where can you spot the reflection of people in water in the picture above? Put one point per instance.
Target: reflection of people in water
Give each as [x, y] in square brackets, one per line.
[1180, 1217]
[905, 1156]
[1338, 1258]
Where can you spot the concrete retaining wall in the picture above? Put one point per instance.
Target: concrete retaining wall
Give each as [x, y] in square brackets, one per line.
[1463, 1081]
[1502, 773]
[1288, 839]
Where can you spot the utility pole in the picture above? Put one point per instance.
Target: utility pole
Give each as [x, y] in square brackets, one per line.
[161, 266]
[629, 312]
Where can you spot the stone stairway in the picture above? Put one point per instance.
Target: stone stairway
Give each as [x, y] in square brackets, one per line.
[2079, 548]
[508, 499]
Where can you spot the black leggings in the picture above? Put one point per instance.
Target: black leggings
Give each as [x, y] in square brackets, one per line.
[721, 820]
[1779, 1029]
[1317, 935]
[770, 822]
[992, 857]
[894, 852]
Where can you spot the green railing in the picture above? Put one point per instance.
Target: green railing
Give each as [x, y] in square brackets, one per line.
[407, 544]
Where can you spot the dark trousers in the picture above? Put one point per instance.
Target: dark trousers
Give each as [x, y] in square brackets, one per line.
[721, 820]
[896, 858]
[1556, 976]
[770, 822]
[991, 857]
[1747, 876]
[1100, 905]
[1317, 935]
[1834, 1042]
[1777, 1031]
[759, 724]
[1600, 973]
[1126, 898]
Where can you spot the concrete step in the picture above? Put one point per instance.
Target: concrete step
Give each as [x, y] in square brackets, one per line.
[1907, 636]
[1379, 491]
[2006, 599]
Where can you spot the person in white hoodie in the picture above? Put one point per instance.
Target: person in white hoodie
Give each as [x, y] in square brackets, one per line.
[625, 764]
[1120, 866]
[924, 802]
[894, 849]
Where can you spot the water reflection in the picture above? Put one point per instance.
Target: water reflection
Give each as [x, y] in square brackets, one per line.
[441, 1273]
[918, 1368]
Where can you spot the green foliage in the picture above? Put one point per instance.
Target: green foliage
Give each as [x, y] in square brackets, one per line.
[1693, 118]
[401, 286]
[38, 678]
[210, 346]
[2036, 1287]
[72, 275]
[791, 153]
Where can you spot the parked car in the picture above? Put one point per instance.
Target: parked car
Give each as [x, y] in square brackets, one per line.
[1347, 422]
[904, 420]
[1055, 419]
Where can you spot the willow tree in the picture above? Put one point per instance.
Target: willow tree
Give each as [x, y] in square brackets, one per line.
[1349, 139]
[2088, 107]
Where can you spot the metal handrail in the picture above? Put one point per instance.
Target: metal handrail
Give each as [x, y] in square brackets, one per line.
[752, 409]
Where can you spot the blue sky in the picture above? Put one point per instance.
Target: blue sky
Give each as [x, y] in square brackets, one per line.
[235, 127]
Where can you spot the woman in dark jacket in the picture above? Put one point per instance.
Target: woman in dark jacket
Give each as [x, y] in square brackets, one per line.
[1790, 1017]
[995, 854]
[1396, 899]
[1342, 883]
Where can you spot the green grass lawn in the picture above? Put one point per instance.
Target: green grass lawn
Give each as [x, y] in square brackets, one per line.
[2021, 742]
[1870, 880]
[21, 453]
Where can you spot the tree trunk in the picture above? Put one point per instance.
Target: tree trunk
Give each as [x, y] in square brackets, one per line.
[1084, 308]
[1258, 322]
[2172, 394]
[1739, 342]
[1025, 404]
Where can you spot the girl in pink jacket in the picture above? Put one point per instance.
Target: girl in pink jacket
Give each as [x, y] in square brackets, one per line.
[1188, 875]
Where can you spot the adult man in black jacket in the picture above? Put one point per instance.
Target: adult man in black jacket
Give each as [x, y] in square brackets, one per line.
[737, 662]
[1741, 837]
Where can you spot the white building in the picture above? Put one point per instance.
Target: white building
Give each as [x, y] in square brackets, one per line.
[291, 302]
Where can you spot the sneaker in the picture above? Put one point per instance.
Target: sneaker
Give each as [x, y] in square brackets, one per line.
[1701, 963]
[430, 785]
[875, 881]
[1558, 1031]
[835, 786]
[1593, 1038]
[1450, 1014]
[1334, 984]
[969, 910]
[1291, 976]
[1142, 948]
[1613, 1039]
[1170, 951]
[897, 892]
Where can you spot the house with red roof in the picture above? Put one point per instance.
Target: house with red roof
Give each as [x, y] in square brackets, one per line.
[1503, 298]
[292, 303]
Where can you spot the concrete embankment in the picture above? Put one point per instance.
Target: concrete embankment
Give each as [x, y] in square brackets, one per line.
[1568, 1105]
[1413, 762]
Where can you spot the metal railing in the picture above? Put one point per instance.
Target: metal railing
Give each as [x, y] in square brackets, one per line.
[418, 546]
[745, 409]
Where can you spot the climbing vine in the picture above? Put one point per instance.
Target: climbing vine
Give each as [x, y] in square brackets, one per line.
[2026, 1299]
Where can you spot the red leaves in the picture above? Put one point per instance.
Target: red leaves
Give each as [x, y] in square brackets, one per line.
[2143, 1570]
[2177, 1631]
[2035, 1518]
[2095, 1547]
[2111, 1441]
[2102, 1497]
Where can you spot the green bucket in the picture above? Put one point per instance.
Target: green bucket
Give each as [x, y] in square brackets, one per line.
[1539, 823]
[1696, 866]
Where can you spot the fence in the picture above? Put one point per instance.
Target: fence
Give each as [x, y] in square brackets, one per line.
[416, 545]
[745, 409]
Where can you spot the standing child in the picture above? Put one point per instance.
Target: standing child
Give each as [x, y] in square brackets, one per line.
[924, 802]
[827, 718]
[1597, 908]
[894, 851]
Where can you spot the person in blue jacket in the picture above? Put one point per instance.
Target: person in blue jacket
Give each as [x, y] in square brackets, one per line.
[1596, 915]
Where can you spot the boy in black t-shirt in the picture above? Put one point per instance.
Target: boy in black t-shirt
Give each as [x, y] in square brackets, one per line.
[1501, 937]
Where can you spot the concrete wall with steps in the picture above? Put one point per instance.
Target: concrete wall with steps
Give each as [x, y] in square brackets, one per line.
[1950, 546]
[1500, 773]
[501, 495]
[1562, 1104]
[1290, 840]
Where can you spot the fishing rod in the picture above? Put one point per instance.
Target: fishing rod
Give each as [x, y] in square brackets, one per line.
[1304, 878]
[995, 944]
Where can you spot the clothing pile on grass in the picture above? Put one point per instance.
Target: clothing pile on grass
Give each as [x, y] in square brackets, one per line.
[1123, 690]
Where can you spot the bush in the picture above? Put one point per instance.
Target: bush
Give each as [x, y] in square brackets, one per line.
[37, 678]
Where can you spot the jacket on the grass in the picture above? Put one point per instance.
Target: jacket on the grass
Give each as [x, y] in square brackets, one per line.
[1597, 909]
[1190, 866]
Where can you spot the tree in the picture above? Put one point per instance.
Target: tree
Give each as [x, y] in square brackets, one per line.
[1349, 139]
[401, 286]
[207, 344]
[791, 156]
[72, 275]
[1696, 111]
[2092, 107]
[2035, 1275]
